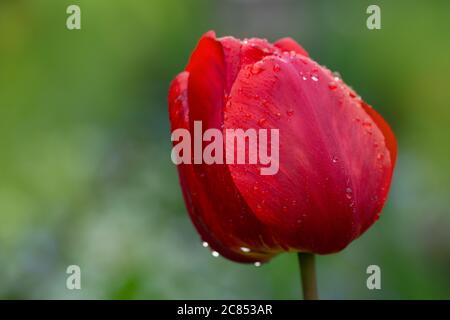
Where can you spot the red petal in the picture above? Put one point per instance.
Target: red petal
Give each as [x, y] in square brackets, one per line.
[288, 44]
[391, 142]
[205, 213]
[335, 168]
[178, 107]
[216, 207]
[206, 82]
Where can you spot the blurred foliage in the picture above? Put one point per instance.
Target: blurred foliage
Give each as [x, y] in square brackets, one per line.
[85, 172]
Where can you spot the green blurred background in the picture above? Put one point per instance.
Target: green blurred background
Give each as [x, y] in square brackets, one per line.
[85, 170]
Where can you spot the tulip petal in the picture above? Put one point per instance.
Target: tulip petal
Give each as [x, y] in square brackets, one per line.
[217, 209]
[335, 168]
[288, 44]
[206, 69]
[206, 213]
[391, 142]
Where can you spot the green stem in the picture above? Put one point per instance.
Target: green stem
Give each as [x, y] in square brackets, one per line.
[308, 275]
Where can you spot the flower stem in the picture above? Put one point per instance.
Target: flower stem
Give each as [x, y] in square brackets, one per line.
[308, 275]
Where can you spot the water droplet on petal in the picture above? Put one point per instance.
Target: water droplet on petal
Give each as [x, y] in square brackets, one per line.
[337, 76]
[205, 244]
[257, 264]
[348, 193]
[314, 78]
[290, 112]
[215, 254]
[332, 85]
[244, 249]
[334, 159]
[257, 68]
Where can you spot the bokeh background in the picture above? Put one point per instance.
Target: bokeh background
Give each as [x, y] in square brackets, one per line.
[85, 170]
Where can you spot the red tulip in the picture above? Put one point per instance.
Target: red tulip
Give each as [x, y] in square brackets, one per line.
[336, 154]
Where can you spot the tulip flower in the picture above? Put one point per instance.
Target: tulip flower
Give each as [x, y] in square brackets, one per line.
[336, 154]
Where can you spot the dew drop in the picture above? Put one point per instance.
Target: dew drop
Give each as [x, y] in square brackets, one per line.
[244, 249]
[305, 78]
[180, 98]
[332, 85]
[314, 78]
[334, 159]
[380, 156]
[257, 264]
[337, 76]
[215, 254]
[290, 112]
[205, 244]
[257, 68]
